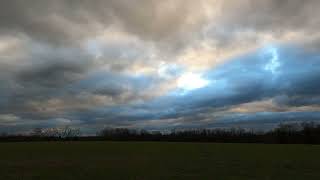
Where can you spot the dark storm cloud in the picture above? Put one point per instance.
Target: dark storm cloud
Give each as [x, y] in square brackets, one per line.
[39, 74]
[55, 75]
[67, 21]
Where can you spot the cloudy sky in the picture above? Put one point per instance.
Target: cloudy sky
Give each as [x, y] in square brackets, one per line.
[158, 64]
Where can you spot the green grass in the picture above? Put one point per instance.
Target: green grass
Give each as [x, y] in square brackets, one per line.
[157, 160]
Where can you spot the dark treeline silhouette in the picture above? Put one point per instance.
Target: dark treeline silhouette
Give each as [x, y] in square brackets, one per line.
[46, 134]
[304, 133]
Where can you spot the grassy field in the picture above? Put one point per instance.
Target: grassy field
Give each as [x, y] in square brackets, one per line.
[157, 160]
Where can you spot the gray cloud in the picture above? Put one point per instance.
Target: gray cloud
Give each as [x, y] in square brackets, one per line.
[277, 16]
[64, 21]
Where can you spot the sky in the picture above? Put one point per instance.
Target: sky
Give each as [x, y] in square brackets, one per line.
[150, 64]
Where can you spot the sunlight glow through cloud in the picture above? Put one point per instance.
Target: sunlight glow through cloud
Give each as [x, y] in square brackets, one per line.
[191, 81]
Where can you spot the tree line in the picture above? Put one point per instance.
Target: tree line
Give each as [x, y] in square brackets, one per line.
[294, 133]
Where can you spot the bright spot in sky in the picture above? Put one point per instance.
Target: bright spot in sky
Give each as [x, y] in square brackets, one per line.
[190, 81]
[274, 63]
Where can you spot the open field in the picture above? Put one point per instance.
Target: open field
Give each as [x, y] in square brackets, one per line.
[157, 160]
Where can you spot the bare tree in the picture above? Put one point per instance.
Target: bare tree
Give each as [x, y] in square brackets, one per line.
[38, 132]
[68, 132]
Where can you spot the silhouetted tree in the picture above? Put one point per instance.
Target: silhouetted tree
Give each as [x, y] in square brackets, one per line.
[37, 132]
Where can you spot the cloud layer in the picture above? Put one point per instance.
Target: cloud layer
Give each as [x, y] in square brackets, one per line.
[158, 64]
